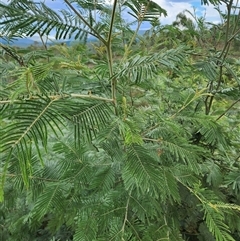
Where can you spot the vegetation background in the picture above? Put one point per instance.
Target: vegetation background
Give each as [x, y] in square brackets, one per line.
[131, 137]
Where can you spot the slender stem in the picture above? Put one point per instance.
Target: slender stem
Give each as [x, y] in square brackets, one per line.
[16, 57]
[230, 107]
[168, 233]
[229, 7]
[222, 57]
[140, 20]
[150, 129]
[229, 42]
[121, 24]
[110, 58]
[134, 35]
[43, 43]
[91, 97]
[217, 88]
[192, 191]
[152, 140]
[112, 21]
[126, 215]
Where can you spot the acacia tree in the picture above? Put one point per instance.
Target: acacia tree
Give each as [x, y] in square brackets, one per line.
[114, 148]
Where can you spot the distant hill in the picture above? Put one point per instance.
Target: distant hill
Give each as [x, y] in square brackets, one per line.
[26, 42]
[21, 42]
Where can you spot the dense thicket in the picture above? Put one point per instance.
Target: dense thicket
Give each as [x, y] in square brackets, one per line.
[130, 137]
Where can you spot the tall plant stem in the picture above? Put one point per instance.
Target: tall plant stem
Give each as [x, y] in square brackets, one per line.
[229, 108]
[121, 24]
[126, 215]
[43, 42]
[106, 43]
[140, 20]
[110, 57]
[222, 57]
[134, 35]
[227, 43]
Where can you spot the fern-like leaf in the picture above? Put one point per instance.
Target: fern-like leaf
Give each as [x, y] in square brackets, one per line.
[28, 18]
[140, 68]
[90, 119]
[141, 170]
[51, 199]
[216, 225]
[143, 10]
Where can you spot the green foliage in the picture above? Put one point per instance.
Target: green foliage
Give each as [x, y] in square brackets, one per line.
[127, 138]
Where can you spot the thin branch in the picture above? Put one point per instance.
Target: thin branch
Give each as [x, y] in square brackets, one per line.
[223, 55]
[150, 129]
[43, 43]
[140, 20]
[126, 214]
[211, 98]
[192, 191]
[134, 230]
[91, 97]
[229, 8]
[230, 107]
[168, 233]
[56, 97]
[18, 58]
[152, 140]
[110, 58]
[93, 31]
[234, 34]
[115, 209]
[112, 21]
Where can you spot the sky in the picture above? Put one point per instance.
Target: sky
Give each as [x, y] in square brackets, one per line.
[176, 6]
[172, 7]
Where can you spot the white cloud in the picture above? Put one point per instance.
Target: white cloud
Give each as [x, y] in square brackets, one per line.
[38, 39]
[172, 8]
